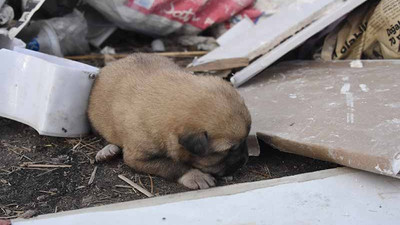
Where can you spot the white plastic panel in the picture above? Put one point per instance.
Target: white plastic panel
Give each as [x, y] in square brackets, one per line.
[45, 92]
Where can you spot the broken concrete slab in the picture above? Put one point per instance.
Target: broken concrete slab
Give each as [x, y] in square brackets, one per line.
[308, 197]
[344, 112]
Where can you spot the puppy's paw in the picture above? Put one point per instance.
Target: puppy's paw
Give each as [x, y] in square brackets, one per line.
[108, 152]
[195, 179]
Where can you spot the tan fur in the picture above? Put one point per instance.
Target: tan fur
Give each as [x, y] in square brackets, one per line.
[143, 103]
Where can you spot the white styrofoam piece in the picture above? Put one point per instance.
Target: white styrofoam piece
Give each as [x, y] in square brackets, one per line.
[338, 10]
[45, 92]
[357, 198]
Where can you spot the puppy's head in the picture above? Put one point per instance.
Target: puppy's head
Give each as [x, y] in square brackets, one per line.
[216, 134]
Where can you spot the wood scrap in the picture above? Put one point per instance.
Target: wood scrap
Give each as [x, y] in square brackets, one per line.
[126, 186]
[48, 192]
[92, 176]
[49, 171]
[119, 56]
[221, 64]
[136, 186]
[32, 165]
[123, 186]
[151, 184]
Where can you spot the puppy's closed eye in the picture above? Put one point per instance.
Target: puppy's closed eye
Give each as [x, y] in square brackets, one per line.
[196, 143]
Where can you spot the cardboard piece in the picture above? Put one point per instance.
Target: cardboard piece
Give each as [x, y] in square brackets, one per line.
[308, 198]
[371, 31]
[347, 112]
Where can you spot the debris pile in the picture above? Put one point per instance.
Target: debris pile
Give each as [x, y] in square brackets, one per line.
[318, 77]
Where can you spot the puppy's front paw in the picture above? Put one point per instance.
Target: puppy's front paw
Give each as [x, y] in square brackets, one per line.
[195, 179]
[108, 152]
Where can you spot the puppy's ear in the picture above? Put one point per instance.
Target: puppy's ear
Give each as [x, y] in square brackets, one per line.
[196, 143]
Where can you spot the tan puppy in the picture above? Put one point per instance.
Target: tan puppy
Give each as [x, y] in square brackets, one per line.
[169, 122]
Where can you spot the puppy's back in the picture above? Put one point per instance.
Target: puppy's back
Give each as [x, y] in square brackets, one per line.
[118, 85]
[145, 95]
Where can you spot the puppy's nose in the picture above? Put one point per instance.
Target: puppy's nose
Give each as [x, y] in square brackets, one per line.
[236, 165]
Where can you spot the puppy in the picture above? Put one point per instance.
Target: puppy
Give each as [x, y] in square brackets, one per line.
[168, 122]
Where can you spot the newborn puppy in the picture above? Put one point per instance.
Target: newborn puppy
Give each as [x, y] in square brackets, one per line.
[169, 122]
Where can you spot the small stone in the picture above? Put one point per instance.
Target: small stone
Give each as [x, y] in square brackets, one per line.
[158, 45]
[28, 214]
[87, 200]
[228, 178]
[41, 197]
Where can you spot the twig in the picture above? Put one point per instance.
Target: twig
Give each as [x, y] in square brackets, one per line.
[79, 142]
[45, 165]
[119, 56]
[26, 148]
[48, 192]
[151, 185]
[49, 171]
[133, 184]
[261, 174]
[20, 154]
[8, 217]
[140, 182]
[32, 168]
[122, 186]
[267, 169]
[92, 176]
[125, 186]
[91, 144]
[8, 172]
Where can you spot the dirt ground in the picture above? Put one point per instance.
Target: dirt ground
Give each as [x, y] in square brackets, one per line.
[48, 190]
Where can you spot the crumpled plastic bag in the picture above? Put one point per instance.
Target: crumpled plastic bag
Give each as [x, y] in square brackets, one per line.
[163, 17]
[60, 36]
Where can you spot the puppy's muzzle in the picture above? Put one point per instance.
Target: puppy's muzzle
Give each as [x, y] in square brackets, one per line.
[236, 159]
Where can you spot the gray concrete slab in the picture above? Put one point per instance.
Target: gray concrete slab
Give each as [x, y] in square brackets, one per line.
[347, 112]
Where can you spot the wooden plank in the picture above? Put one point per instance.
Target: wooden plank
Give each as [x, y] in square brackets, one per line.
[337, 10]
[119, 56]
[221, 64]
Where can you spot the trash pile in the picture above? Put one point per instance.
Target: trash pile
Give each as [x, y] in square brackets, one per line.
[65, 28]
[318, 77]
